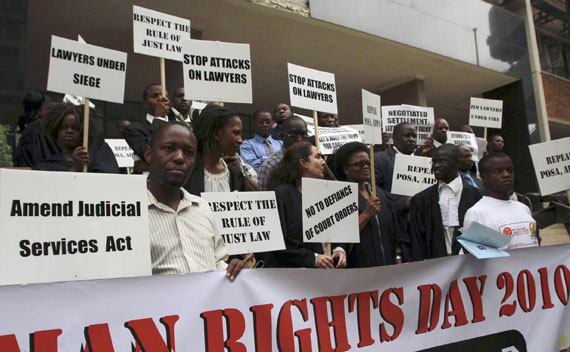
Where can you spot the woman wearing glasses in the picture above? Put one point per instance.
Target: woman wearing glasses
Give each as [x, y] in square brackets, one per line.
[378, 219]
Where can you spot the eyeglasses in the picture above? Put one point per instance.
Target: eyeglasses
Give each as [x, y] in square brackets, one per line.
[302, 135]
[361, 163]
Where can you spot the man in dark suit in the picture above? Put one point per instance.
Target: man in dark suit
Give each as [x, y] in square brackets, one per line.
[137, 134]
[465, 166]
[437, 213]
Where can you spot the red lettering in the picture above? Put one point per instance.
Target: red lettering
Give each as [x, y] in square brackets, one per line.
[391, 313]
[546, 300]
[147, 336]
[236, 327]
[453, 298]
[505, 280]
[363, 301]
[559, 283]
[476, 296]
[425, 303]
[522, 289]
[338, 323]
[40, 341]
[214, 330]
[262, 323]
[285, 339]
[98, 338]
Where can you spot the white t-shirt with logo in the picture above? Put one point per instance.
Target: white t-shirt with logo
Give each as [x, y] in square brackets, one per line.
[509, 217]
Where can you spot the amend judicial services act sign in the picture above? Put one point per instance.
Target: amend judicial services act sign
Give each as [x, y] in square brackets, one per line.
[59, 226]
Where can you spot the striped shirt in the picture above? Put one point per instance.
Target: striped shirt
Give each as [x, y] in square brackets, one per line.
[185, 240]
[266, 166]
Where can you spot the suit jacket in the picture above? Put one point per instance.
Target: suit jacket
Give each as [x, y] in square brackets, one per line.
[425, 224]
[195, 185]
[137, 135]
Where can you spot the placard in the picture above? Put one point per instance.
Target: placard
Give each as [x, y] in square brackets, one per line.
[158, 34]
[312, 89]
[123, 153]
[360, 129]
[551, 162]
[422, 118]
[217, 71]
[467, 139]
[332, 138]
[486, 113]
[412, 174]
[247, 221]
[330, 211]
[75, 100]
[59, 226]
[371, 118]
[86, 70]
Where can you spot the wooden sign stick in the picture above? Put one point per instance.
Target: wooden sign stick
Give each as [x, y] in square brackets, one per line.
[162, 77]
[372, 173]
[85, 127]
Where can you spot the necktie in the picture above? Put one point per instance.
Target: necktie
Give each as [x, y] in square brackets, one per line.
[470, 181]
[268, 148]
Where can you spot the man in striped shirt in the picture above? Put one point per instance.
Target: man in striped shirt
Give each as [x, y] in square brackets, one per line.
[183, 237]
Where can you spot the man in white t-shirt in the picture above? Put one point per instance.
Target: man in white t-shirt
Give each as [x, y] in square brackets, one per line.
[495, 210]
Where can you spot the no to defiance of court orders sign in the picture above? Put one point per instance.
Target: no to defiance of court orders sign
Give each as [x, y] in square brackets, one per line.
[60, 226]
[86, 70]
[159, 34]
[312, 89]
[422, 118]
[123, 152]
[486, 113]
[551, 162]
[467, 139]
[217, 71]
[248, 221]
[412, 174]
[332, 138]
[330, 211]
[371, 119]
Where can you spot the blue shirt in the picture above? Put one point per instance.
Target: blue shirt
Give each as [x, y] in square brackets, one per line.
[253, 150]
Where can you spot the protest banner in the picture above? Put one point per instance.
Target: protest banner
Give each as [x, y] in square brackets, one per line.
[486, 113]
[123, 153]
[312, 89]
[551, 162]
[371, 118]
[332, 138]
[86, 70]
[412, 174]
[330, 211]
[248, 221]
[217, 71]
[60, 226]
[456, 303]
[464, 138]
[422, 118]
[360, 129]
[158, 34]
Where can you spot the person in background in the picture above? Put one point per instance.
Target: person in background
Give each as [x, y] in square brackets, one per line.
[121, 125]
[465, 166]
[466, 129]
[32, 106]
[257, 149]
[183, 238]
[63, 123]
[378, 220]
[496, 210]
[327, 119]
[280, 113]
[437, 213]
[180, 107]
[438, 138]
[495, 144]
[300, 160]
[137, 134]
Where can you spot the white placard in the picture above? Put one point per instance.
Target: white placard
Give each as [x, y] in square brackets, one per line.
[551, 162]
[371, 118]
[248, 221]
[360, 129]
[482, 146]
[59, 226]
[422, 118]
[86, 70]
[312, 89]
[412, 174]
[464, 138]
[199, 105]
[75, 100]
[486, 113]
[332, 138]
[217, 71]
[330, 211]
[123, 153]
[158, 34]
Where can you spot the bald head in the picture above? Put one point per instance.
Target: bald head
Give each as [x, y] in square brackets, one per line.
[440, 129]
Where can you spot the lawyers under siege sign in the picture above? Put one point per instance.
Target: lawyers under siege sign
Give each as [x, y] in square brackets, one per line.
[551, 162]
[457, 303]
[86, 70]
[312, 89]
[247, 221]
[74, 233]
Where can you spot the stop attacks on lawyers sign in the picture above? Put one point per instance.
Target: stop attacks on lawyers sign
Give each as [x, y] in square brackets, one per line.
[457, 303]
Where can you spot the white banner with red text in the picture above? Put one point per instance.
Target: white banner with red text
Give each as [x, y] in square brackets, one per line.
[517, 303]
